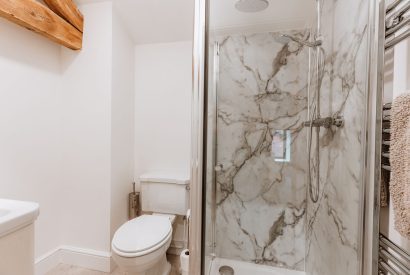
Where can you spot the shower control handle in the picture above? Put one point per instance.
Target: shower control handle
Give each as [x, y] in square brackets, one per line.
[338, 121]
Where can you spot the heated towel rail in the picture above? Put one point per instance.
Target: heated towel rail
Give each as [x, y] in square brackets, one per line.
[393, 260]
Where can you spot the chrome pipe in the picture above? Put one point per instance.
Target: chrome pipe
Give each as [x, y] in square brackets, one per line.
[319, 16]
[213, 106]
[386, 155]
[402, 10]
[405, 22]
[387, 256]
[197, 135]
[314, 110]
[396, 17]
[393, 42]
[393, 5]
[370, 191]
[387, 106]
[395, 248]
[385, 267]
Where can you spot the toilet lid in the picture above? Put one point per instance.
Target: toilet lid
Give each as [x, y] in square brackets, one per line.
[141, 233]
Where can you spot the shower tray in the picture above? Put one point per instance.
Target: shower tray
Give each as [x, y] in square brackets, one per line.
[244, 268]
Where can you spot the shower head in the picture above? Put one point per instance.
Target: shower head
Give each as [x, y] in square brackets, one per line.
[251, 5]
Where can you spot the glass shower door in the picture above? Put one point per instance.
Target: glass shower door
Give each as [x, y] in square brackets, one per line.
[286, 93]
[256, 176]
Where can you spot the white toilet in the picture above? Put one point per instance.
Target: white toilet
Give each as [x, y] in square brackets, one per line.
[139, 246]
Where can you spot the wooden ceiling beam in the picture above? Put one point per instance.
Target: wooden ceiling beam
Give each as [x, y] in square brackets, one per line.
[68, 10]
[40, 19]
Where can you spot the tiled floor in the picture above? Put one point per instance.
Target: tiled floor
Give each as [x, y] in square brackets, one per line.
[64, 269]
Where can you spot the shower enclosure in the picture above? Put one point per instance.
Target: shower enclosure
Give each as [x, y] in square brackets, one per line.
[282, 122]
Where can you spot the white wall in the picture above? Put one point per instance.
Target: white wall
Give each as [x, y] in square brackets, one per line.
[55, 139]
[122, 123]
[86, 112]
[163, 107]
[67, 126]
[401, 76]
[30, 97]
[157, 21]
[98, 120]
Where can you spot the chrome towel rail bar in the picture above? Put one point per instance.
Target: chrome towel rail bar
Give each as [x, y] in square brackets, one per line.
[392, 258]
[387, 106]
[393, 5]
[393, 42]
[399, 26]
[386, 268]
[395, 248]
[395, 22]
[401, 11]
[387, 256]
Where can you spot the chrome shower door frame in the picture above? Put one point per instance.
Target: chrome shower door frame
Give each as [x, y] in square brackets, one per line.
[198, 136]
[373, 139]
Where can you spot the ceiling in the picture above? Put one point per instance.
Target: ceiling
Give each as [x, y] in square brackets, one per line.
[156, 21]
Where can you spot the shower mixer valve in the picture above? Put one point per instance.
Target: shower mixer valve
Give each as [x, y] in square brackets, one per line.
[325, 122]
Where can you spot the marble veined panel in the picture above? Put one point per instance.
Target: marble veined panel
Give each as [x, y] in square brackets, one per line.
[333, 223]
[261, 145]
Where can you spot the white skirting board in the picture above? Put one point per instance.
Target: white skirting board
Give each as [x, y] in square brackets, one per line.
[86, 258]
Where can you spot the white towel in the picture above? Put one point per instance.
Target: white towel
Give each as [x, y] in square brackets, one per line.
[400, 163]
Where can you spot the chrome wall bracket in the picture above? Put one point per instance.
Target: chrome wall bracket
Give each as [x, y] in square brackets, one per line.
[326, 122]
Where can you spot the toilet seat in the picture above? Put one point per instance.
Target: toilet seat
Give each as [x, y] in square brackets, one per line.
[141, 236]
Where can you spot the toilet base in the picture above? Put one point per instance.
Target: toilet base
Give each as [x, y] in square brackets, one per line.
[152, 263]
[163, 267]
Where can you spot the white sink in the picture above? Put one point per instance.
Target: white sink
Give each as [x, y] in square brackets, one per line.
[16, 214]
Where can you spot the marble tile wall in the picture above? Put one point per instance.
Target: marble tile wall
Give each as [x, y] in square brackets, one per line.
[261, 145]
[333, 225]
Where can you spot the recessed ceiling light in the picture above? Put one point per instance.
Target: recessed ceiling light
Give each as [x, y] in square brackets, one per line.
[251, 5]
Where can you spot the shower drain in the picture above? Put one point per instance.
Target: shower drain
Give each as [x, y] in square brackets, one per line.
[226, 270]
